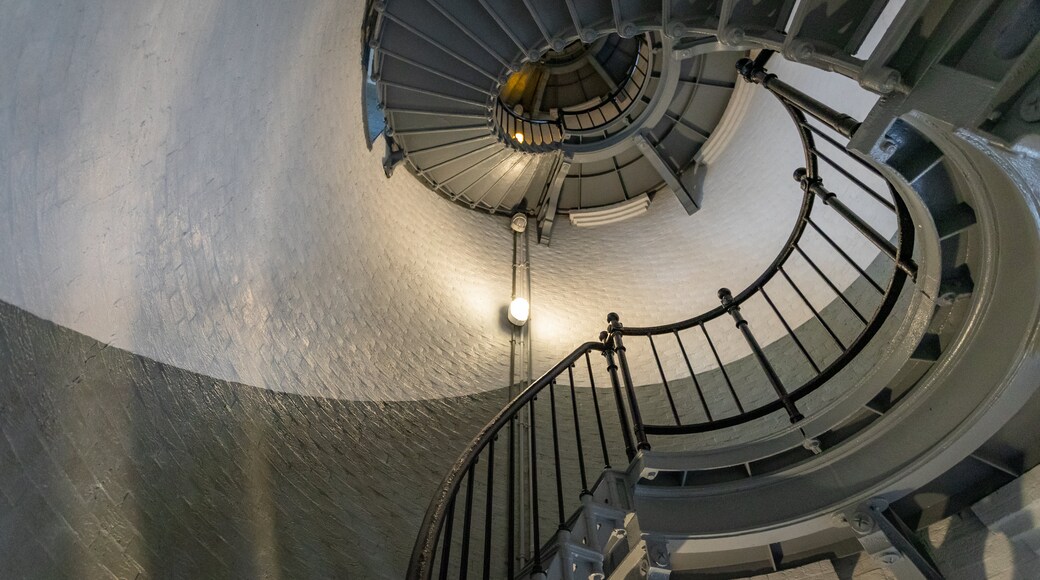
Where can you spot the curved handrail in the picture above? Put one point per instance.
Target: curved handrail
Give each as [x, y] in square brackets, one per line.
[552, 132]
[433, 522]
[441, 513]
[508, 123]
[808, 176]
[612, 99]
[812, 168]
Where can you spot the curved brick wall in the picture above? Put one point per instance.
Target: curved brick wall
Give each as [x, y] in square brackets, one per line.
[188, 212]
[189, 182]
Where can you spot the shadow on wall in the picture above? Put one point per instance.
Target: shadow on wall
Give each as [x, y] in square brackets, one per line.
[118, 465]
[991, 539]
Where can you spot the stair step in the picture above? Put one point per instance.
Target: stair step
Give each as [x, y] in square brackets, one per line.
[475, 24]
[929, 350]
[828, 33]
[763, 21]
[517, 178]
[417, 22]
[596, 17]
[685, 17]
[954, 220]
[639, 16]
[516, 22]
[398, 63]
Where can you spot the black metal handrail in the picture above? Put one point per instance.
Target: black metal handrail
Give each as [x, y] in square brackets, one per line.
[621, 99]
[630, 430]
[433, 524]
[541, 135]
[797, 105]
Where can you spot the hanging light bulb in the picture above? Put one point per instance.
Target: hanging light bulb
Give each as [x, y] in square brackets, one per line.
[519, 311]
[519, 137]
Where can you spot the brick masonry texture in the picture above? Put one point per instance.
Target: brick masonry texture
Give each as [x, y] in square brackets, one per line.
[189, 181]
[115, 465]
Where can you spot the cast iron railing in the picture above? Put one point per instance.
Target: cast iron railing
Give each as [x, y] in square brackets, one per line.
[497, 510]
[593, 119]
[539, 135]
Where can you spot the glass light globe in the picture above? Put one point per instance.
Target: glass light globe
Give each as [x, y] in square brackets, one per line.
[519, 310]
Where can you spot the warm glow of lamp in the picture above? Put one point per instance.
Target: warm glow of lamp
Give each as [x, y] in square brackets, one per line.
[519, 137]
[519, 311]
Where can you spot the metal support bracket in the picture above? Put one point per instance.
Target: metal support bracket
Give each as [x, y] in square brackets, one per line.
[551, 200]
[885, 537]
[664, 169]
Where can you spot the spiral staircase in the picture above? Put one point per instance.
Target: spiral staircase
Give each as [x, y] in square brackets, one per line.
[589, 107]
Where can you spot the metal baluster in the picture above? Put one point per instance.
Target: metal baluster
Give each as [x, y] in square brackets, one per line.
[599, 417]
[727, 301]
[446, 540]
[829, 198]
[693, 375]
[489, 504]
[830, 284]
[626, 375]
[848, 258]
[626, 430]
[466, 517]
[819, 133]
[577, 434]
[790, 332]
[664, 381]
[722, 368]
[877, 196]
[511, 509]
[535, 519]
[826, 326]
[556, 452]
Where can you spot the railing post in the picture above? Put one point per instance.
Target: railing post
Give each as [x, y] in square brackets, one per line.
[829, 198]
[614, 330]
[727, 302]
[756, 73]
[626, 430]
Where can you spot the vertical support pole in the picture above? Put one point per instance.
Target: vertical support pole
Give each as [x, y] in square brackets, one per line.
[614, 329]
[727, 302]
[615, 383]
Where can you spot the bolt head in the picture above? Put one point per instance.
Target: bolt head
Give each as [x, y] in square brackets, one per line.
[891, 81]
[803, 51]
[813, 445]
[800, 174]
[890, 557]
[658, 555]
[861, 523]
[1029, 110]
[888, 146]
[733, 36]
